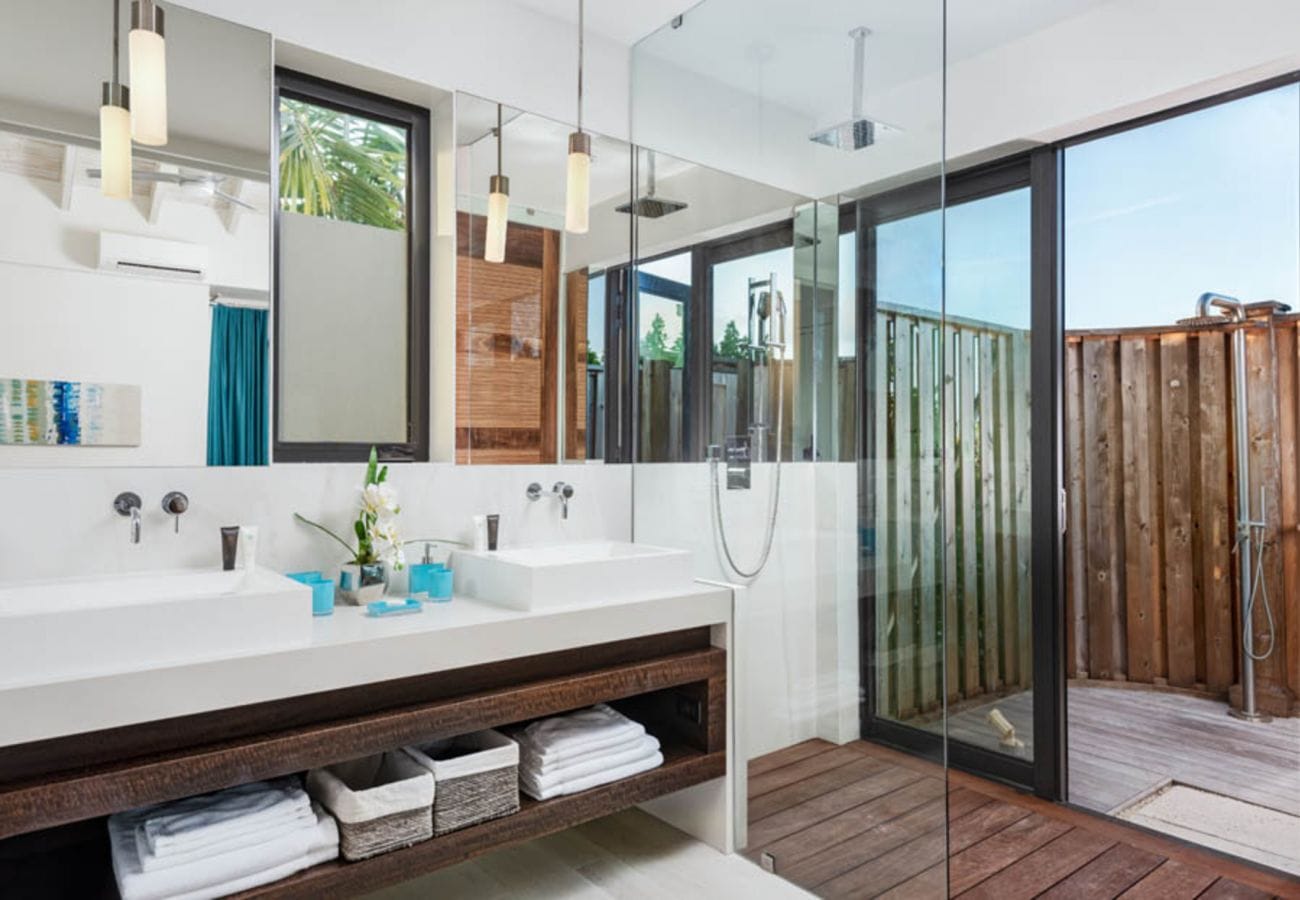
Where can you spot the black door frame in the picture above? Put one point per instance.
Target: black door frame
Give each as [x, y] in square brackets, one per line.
[1039, 170]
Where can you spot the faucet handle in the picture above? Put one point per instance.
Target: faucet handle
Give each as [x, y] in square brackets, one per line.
[127, 502]
[174, 503]
[534, 491]
[563, 489]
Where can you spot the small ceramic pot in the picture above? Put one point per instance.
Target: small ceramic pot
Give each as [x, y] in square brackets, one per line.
[359, 585]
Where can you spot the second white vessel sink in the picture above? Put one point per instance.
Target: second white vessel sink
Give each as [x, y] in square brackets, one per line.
[76, 627]
[567, 574]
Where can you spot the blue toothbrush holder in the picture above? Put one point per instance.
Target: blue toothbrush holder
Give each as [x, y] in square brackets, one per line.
[322, 591]
[440, 586]
[422, 578]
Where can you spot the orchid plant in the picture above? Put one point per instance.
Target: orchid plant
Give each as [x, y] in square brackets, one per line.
[378, 538]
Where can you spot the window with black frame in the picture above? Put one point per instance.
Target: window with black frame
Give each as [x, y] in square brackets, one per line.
[351, 274]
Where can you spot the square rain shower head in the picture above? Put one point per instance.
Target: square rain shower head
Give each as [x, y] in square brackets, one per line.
[855, 134]
[651, 207]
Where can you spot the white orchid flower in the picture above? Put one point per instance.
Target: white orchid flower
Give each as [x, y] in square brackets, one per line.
[379, 500]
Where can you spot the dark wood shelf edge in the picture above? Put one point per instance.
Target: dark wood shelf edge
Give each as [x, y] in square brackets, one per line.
[683, 767]
[62, 798]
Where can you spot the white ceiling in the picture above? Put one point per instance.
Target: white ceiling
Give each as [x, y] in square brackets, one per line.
[625, 21]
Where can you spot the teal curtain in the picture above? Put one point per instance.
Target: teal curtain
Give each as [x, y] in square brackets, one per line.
[237, 390]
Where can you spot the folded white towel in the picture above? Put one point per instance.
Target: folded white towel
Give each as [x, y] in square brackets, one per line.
[550, 775]
[537, 792]
[269, 831]
[586, 730]
[182, 826]
[529, 758]
[323, 850]
[209, 875]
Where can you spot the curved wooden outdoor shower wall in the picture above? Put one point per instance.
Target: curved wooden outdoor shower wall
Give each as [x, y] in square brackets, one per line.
[1150, 471]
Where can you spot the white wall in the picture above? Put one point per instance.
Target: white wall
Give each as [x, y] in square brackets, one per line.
[61, 521]
[64, 318]
[343, 330]
[492, 48]
[798, 621]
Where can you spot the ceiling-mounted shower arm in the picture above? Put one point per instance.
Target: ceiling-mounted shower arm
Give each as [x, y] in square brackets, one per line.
[859, 36]
[650, 174]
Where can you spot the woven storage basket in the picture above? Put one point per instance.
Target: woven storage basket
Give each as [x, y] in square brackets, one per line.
[382, 802]
[477, 778]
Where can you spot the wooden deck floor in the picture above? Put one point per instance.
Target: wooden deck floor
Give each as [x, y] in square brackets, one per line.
[1125, 743]
[865, 821]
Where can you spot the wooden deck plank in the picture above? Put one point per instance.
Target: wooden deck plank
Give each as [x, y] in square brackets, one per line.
[774, 802]
[844, 841]
[901, 863]
[1171, 880]
[797, 771]
[1043, 868]
[818, 816]
[1227, 889]
[998, 851]
[1109, 875]
[787, 755]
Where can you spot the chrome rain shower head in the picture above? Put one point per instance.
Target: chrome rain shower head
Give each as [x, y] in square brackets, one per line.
[651, 206]
[859, 131]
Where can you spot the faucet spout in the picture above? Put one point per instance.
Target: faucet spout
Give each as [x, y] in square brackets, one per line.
[127, 504]
[135, 525]
[564, 491]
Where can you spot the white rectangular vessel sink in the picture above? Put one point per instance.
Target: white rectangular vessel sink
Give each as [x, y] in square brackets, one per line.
[76, 627]
[569, 574]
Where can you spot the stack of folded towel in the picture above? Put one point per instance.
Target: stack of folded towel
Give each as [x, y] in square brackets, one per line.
[220, 843]
[581, 750]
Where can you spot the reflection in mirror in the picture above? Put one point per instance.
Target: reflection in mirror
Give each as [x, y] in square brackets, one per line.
[530, 368]
[352, 273]
[134, 330]
[159, 301]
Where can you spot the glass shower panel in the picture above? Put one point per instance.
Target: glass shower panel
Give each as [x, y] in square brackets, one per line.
[758, 95]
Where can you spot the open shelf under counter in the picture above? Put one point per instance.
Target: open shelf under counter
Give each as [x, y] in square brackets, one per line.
[683, 767]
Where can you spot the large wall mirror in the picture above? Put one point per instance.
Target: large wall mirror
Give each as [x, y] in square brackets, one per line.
[133, 329]
[530, 303]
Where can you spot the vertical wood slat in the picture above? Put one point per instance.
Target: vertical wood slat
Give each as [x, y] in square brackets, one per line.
[886, 700]
[1214, 516]
[1021, 394]
[1004, 426]
[951, 627]
[905, 517]
[968, 599]
[990, 607]
[928, 684]
[1288, 355]
[1076, 566]
[1265, 473]
[1180, 621]
[1102, 494]
[1142, 576]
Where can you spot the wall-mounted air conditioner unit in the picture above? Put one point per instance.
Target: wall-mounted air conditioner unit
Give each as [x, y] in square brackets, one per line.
[152, 257]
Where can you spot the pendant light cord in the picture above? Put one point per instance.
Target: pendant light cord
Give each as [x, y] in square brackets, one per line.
[581, 31]
[498, 141]
[117, 18]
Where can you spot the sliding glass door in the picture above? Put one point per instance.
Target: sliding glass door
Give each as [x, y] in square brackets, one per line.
[948, 386]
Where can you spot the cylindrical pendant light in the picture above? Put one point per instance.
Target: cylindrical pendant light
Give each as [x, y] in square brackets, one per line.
[115, 129]
[148, 65]
[494, 244]
[577, 195]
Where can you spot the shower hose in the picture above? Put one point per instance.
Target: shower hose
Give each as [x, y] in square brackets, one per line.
[774, 496]
[1257, 587]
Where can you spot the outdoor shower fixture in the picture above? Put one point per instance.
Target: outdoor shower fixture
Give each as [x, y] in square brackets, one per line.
[1250, 531]
[765, 301]
[859, 131]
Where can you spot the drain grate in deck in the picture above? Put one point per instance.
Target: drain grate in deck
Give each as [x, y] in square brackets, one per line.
[1234, 826]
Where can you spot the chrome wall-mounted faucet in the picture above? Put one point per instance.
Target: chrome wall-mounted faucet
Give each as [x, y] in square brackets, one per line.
[562, 490]
[174, 503]
[127, 503]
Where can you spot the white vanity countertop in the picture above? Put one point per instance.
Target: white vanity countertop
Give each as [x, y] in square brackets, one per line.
[346, 649]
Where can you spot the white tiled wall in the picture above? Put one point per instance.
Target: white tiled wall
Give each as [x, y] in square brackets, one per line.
[798, 621]
[60, 521]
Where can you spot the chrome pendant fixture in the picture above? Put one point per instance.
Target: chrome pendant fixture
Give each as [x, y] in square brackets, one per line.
[148, 69]
[578, 185]
[494, 244]
[115, 128]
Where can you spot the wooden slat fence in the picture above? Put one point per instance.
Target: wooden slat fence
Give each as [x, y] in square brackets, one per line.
[1151, 570]
[950, 399]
